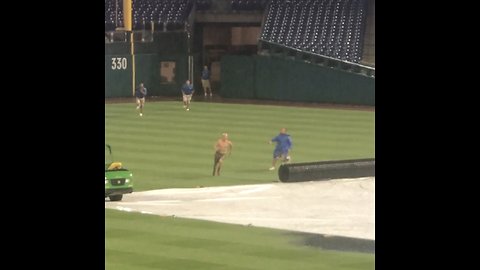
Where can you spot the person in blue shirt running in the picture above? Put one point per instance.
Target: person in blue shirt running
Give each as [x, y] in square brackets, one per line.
[140, 94]
[282, 149]
[187, 92]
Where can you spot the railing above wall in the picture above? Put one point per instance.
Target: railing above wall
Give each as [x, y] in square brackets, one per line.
[144, 35]
[271, 48]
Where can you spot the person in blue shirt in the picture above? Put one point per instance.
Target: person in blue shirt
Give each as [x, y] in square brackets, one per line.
[140, 94]
[206, 81]
[187, 92]
[282, 149]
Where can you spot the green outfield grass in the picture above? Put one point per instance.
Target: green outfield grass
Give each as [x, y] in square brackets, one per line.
[169, 147]
[139, 241]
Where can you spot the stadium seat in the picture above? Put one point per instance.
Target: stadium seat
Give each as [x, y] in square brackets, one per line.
[328, 27]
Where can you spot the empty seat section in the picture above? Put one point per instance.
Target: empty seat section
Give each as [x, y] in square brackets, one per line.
[333, 28]
[146, 12]
[246, 4]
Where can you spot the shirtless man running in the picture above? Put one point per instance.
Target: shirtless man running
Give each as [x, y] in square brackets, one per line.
[223, 147]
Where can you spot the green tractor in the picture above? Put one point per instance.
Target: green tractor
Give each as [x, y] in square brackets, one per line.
[118, 180]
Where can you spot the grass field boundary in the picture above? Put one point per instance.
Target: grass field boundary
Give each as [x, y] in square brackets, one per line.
[217, 99]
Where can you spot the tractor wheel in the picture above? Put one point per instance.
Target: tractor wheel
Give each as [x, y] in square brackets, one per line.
[115, 198]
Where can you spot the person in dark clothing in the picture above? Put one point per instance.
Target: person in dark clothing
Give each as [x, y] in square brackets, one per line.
[206, 81]
[187, 92]
[140, 94]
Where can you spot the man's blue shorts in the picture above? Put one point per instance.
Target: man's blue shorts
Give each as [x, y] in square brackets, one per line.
[279, 153]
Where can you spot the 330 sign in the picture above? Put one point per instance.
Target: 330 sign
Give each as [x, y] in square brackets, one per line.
[119, 63]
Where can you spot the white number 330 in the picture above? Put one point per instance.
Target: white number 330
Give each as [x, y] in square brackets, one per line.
[119, 63]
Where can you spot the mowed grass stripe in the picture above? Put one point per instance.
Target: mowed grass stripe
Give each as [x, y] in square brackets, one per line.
[246, 141]
[152, 242]
[223, 257]
[168, 146]
[326, 128]
[248, 114]
[206, 127]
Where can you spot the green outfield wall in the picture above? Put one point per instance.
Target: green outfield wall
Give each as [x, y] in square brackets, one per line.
[276, 78]
[167, 49]
[118, 75]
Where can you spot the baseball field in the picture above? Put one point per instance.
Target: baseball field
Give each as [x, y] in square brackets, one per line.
[139, 241]
[169, 147]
